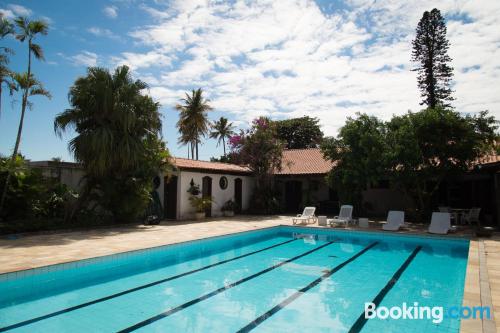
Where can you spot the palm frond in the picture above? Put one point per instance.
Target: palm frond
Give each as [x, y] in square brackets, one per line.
[37, 51]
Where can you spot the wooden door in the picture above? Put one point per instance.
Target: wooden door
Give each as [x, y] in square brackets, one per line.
[170, 197]
[238, 194]
[293, 196]
[207, 192]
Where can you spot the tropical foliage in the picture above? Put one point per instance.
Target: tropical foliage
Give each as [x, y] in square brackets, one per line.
[299, 133]
[118, 141]
[415, 151]
[6, 28]
[222, 129]
[31, 195]
[426, 147]
[26, 31]
[359, 151]
[200, 203]
[260, 149]
[193, 123]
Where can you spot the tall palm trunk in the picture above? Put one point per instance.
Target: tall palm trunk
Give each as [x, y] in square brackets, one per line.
[19, 130]
[224, 145]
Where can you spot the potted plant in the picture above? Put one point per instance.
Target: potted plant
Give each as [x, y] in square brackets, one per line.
[200, 204]
[228, 208]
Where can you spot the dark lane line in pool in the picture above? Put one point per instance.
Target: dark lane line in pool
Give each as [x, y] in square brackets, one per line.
[361, 321]
[217, 291]
[302, 291]
[79, 306]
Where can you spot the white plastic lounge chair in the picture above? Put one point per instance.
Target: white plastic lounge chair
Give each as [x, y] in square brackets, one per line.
[440, 223]
[344, 217]
[395, 220]
[306, 216]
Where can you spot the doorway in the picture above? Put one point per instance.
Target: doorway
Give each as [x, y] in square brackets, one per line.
[238, 194]
[207, 192]
[293, 196]
[170, 197]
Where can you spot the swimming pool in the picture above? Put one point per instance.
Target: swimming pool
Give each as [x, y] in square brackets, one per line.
[280, 279]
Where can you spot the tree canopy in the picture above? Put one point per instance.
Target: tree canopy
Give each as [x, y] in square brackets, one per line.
[415, 152]
[193, 123]
[299, 133]
[358, 151]
[222, 129]
[118, 139]
[261, 150]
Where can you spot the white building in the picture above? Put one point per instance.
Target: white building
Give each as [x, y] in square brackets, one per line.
[221, 181]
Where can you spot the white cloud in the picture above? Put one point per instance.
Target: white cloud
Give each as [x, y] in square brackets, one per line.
[142, 60]
[111, 11]
[291, 59]
[103, 33]
[84, 58]
[13, 10]
[20, 10]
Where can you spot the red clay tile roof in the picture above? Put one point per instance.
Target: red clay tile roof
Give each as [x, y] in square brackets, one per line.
[187, 164]
[304, 161]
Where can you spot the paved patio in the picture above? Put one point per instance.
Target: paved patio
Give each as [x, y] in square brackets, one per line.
[482, 286]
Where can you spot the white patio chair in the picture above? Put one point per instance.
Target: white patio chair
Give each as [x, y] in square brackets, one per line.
[444, 209]
[440, 223]
[395, 220]
[306, 216]
[472, 215]
[344, 217]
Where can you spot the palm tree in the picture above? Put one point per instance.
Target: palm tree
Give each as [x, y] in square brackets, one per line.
[118, 140]
[30, 87]
[193, 122]
[28, 31]
[112, 118]
[6, 28]
[221, 130]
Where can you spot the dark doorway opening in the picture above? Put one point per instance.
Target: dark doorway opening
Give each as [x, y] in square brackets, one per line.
[293, 196]
[207, 192]
[170, 197]
[238, 194]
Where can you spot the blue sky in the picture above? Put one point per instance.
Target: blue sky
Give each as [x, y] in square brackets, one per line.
[328, 59]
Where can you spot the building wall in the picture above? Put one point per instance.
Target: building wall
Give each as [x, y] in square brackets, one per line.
[314, 190]
[220, 196]
[66, 173]
[381, 201]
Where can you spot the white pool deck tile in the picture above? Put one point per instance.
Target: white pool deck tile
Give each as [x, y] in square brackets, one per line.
[482, 286]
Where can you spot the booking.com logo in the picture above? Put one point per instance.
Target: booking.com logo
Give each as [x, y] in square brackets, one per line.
[436, 313]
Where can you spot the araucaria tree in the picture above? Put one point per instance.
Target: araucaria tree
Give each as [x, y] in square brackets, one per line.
[222, 129]
[193, 123]
[29, 86]
[118, 141]
[430, 52]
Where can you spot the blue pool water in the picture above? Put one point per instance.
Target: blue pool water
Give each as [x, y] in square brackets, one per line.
[282, 279]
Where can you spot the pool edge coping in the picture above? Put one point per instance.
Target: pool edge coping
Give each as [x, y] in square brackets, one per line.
[279, 226]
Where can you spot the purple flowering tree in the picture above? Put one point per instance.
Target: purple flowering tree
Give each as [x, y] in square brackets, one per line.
[261, 150]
